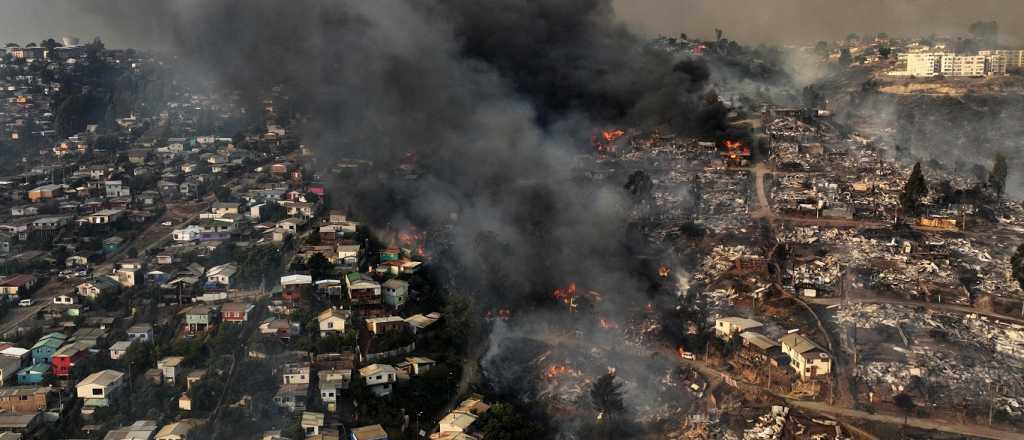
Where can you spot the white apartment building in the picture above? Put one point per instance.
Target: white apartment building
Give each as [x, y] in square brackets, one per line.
[957, 65]
[929, 64]
[925, 64]
[1014, 58]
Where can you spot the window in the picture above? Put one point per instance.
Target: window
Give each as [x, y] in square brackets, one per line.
[330, 325]
[22, 397]
[97, 391]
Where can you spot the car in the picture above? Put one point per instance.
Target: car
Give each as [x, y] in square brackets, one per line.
[167, 224]
[27, 302]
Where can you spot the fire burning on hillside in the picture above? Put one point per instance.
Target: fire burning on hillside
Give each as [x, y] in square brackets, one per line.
[604, 143]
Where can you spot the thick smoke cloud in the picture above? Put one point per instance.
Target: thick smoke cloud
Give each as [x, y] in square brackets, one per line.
[494, 98]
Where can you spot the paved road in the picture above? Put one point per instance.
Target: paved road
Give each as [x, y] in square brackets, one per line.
[43, 297]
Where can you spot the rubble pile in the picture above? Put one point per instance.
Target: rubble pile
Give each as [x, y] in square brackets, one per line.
[768, 426]
[976, 352]
[723, 206]
[720, 261]
[822, 272]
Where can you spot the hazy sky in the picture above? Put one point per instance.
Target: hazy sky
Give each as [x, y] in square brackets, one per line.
[749, 21]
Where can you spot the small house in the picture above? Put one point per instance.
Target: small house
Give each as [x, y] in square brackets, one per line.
[97, 388]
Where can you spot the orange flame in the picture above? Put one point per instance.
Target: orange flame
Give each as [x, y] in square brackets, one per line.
[664, 271]
[566, 295]
[611, 136]
[733, 145]
[559, 370]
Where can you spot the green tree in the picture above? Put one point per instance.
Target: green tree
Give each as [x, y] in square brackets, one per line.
[505, 422]
[915, 190]
[606, 396]
[884, 52]
[997, 177]
[319, 266]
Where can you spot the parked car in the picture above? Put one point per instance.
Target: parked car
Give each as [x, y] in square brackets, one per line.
[27, 302]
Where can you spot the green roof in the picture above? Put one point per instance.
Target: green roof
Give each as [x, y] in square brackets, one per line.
[37, 368]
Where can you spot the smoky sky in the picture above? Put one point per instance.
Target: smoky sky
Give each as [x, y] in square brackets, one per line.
[748, 21]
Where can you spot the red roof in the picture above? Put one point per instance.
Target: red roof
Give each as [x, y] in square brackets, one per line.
[17, 280]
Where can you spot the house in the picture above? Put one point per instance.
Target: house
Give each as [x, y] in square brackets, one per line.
[9, 367]
[112, 244]
[76, 261]
[45, 192]
[362, 289]
[348, 254]
[333, 320]
[296, 372]
[457, 422]
[223, 275]
[290, 225]
[386, 325]
[46, 346]
[727, 327]
[65, 357]
[396, 292]
[21, 424]
[97, 388]
[119, 348]
[198, 318]
[65, 299]
[292, 286]
[92, 336]
[454, 425]
[807, 358]
[24, 356]
[420, 323]
[279, 327]
[333, 382]
[24, 399]
[33, 374]
[292, 396]
[371, 432]
[235, 312]
[170, 368]
[194, 376]
[98, 286]
[141, 332]
[225, 209]
[129, 273]
[103, 217]
[379, 378]
[215, 230]
[419, 365]
[140, 430]
[21, 211]
[116, 188]
[312, 423]
[18, 285]
[188, 233]
[176, 430]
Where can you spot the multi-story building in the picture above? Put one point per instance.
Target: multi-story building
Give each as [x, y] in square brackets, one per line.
[925, 64]
[958, 65]
[1014, 58]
